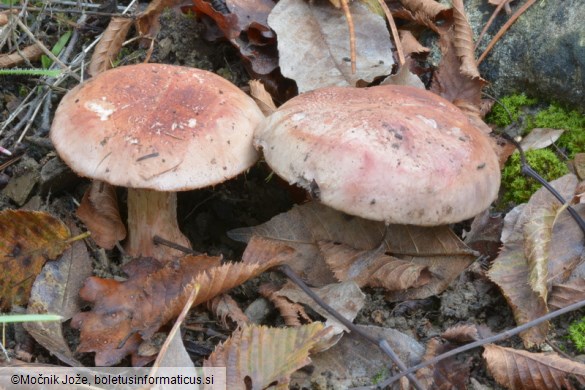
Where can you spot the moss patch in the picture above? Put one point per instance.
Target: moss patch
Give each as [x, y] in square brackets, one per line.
[573, 139]
[577, 335]
[519, 188]
[508, 109]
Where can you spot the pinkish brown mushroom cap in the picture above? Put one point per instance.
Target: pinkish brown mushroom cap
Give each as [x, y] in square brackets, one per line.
[389, 153]
[159, 127]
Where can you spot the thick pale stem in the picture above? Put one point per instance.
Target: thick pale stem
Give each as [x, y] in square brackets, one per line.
[153, 213]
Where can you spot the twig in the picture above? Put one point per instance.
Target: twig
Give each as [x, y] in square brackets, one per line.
[351, 27]
[45, 50]
[380, 343]
[493, 339]
[490, 21]
[72, 11]
[394, 30]
[161, 241]
[505, 28]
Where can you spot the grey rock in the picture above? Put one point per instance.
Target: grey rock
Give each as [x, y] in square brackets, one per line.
[258, 311]
[21, 185]
[542, 54]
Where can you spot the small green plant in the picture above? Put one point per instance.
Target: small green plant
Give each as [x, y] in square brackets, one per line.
[30, 72]
[519, 188]
[573, 139]
[56, 49]
[577, 334]
[4, 319]
[508, 109]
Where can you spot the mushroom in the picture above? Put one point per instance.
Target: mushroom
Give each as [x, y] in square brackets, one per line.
[156, 129]
[389, 153]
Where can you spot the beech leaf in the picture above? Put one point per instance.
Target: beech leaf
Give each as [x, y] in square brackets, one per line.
[258, 357]
[109, 45]
[523, 370]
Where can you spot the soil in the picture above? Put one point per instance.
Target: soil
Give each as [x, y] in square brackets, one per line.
[43, 183]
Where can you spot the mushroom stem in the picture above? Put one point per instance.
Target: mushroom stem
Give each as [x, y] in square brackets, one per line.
[153, 213]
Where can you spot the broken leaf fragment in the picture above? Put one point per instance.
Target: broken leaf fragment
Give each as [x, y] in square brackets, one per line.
[27, 240]
[258, 357]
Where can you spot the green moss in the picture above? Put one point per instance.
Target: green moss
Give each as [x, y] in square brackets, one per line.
[577, 334]
[573, 139]
[519, 188]
[508, 109]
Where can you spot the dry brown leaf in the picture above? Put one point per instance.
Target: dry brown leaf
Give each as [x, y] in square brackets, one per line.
[567, 293]
[109, 45]
[510, 270]
[124, 313]
[223, 307]
[537, 242]
[411, 45]
[437, 248]
[262, 97]
[463, 41]
[56, 291]
[466, 333]
[147, 22]
[522, 370]
[258, 357]
[27, 240]
[540, 138]
[449, 373]
[427, 9]
[291, 312]
[373, 268]
[314, 49]
[31, 53]
[99, 212]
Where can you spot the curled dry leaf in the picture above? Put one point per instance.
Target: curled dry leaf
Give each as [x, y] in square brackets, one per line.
[466, 333]
[258, 357]
[223, 307]
[124, 313]
[426, 8]
[30, 53]
[319, 31]
[373, 268]
[449, 373]
[147, 22]
[566, 294]
[522, 370]
[27, 240]
[463, 41]
[291, 312]
[109, 45]
[99, 212]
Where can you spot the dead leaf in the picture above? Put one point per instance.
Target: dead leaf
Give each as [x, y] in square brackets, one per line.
[353, 362]
[450, 373]
[99, 212]
[539, 138]
[56, 291]
[373, 268]
[463, 41]
[426, 8]
[262, 97]
[30, 53]
[346, 298]
[411, 45]
[291, 312]
[522, 370]
[109, 45]
[466, 333]
[27, 240]
[510, 270]
[223, 307]
[313, 44]
[566, 294]
[257, 357]
[124, 313]
[147, 22]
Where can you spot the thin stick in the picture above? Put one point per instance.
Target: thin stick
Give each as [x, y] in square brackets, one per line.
[161, 241]
[381, 343]
[394, 30]
[490, 21]
[505, 28]
[350, 25]
[493, 339]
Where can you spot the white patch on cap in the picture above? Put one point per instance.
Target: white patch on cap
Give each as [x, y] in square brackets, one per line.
[102, 108]
[192, 123]
[427, 121]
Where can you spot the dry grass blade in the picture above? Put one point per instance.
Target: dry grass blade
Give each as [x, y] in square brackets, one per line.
[109, 45]
[259, 357]
[463, 41]
[522, 370]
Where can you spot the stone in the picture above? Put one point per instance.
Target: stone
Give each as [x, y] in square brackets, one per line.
[21, 185]
[542, 54]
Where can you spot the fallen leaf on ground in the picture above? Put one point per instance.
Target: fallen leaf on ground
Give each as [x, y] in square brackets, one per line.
[291, 312]
[55, 291]
[258, 357]
[109, 45]
[566, 294]
[27, 240]
[223, 307]
[355, 362]
[539, 138]
[124, 313]
[523, 370]
[373, 268]
[313, 44]
[450, 373]
[99, 212]
[510, 270]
